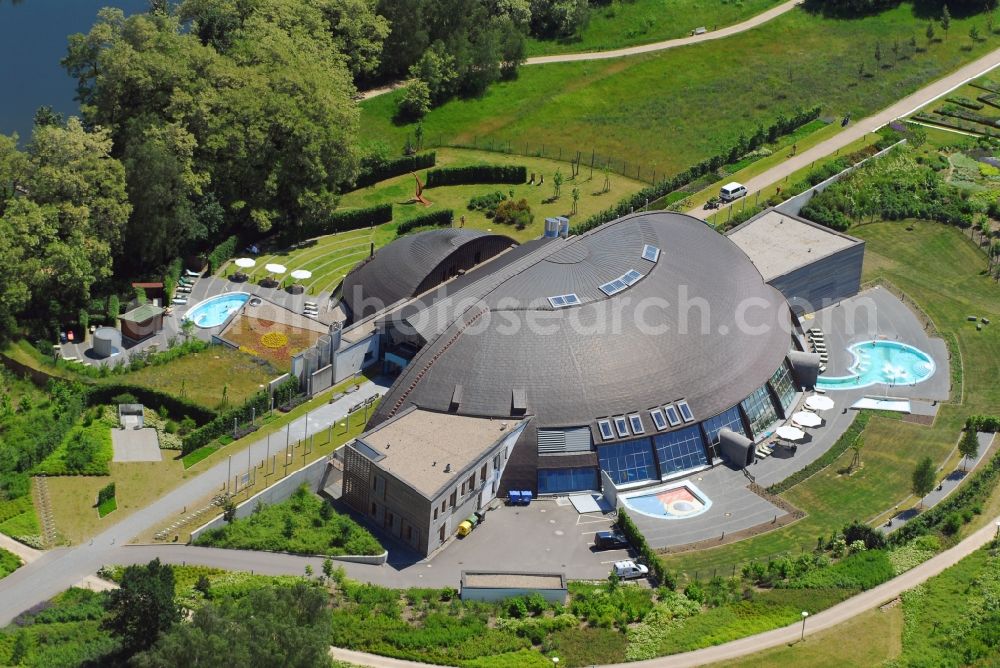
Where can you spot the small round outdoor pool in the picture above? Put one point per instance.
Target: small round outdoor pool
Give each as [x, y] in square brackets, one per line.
[882, 363]
[673, 502]
[213, 311]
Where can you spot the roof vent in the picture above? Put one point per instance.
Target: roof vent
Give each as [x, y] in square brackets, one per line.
[503, 426]
[447, 468]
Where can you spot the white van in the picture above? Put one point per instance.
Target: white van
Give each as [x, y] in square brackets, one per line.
[629, 570]
[732, 191]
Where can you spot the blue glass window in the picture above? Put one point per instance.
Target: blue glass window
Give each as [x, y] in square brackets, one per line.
[760, 409]
[628, 461]
[781, 383]
[680, 450]
[730, 418]
[556, 481]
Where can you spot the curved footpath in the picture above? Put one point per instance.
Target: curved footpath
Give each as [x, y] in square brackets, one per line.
[734, 29]
[787, 635]
[904, 107]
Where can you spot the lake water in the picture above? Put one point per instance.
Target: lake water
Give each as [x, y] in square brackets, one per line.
[33, 38]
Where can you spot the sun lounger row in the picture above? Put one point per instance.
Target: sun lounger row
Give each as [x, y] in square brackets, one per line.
[179, 300]
[192, 274]
[764, 451]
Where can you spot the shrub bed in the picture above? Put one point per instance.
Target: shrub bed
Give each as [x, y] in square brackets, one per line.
[656, 566]
[303, 524]
[106, 393]
[221, 253]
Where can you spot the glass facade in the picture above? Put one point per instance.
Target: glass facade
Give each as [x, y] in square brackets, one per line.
[781, 383]
[556, 481]
[628, 461]
[760, 409]
[730, 418]
[680, 450]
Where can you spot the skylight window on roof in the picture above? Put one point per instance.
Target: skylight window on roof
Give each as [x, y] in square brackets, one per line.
[621, 425]
[685, 411]
[605, 426]
[651, 253]
[612, 287]
[636, 423]
[658, 419]
[672, 416]
[631, 277]
[559, 301]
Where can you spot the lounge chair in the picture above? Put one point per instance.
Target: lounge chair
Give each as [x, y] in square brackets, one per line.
[193, 274]
[179, 300]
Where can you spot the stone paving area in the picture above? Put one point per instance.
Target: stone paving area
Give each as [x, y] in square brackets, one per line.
[135, 445]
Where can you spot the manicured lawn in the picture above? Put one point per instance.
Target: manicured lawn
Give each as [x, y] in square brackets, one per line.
[668, 110]
[866, 640]
[617, 25]
[328, 257]
[940, 269]
[331, 257]
[201, 377]
[400, 189]
[9, 562]
[137, 484]
[303, 524]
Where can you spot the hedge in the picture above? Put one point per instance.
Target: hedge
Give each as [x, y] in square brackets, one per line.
[443, 218]
[656, 565]
[452, 176]
[106, 493]
[342, 221]
[377, 170]
[222, 252]
[782, 126]
[990, 423]
[105, 392]
[257, 405]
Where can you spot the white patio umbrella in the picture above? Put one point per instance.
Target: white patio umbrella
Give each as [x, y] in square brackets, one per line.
[807, 419]
[301, 274]
[275, 268]
[790, 433]
[245, 262]
[818, 402]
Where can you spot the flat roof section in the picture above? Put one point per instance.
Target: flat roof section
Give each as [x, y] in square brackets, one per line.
[512, 580]
[418, 445]
[779, 243]
[141, 313]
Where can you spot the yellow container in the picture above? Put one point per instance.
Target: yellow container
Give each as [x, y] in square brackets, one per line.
[465, 528]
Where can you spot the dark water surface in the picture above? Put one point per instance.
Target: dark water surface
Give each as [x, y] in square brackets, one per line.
[32, 42]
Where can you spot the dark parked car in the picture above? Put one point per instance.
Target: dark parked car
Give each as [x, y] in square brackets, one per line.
[610, 540]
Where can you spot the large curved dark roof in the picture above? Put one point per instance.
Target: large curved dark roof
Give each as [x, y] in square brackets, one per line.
[585, 362]
[410, 264]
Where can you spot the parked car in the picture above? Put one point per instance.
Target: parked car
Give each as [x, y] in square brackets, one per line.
[629, 570]
[610, 540]
[732, 191]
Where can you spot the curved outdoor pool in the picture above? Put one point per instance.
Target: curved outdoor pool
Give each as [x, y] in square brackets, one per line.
[213, 311]
[673, 502]
[882, 363]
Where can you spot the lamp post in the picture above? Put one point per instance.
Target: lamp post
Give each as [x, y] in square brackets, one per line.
[804, 615]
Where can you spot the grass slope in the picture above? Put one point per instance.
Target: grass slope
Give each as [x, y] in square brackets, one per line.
[18, 518]
[942, 270]
[620, 24]
[9, 562]
[299, 525]
[668, 110]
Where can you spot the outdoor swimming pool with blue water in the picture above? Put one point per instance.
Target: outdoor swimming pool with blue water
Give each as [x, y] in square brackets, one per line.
[213, 311]
[674, 502]
[882, 363]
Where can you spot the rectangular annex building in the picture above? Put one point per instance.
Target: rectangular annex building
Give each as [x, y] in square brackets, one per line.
[420, 473]
[811, 265]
